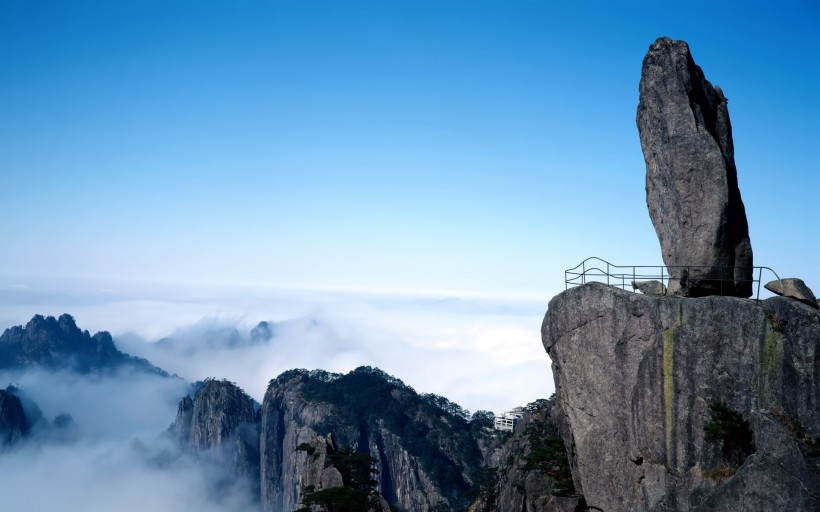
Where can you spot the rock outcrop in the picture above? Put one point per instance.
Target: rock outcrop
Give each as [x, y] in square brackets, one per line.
[534, 473]
[13, 422]
[673, 403]
[649, 287]
[423, 454]
[691, 179]
[220, 421]
[794, 289]
[58, 344]
[340, 474]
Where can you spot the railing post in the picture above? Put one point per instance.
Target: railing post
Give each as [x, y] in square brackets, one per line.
[759, 280]
[662, 267]
[722, 269]
[607, 273]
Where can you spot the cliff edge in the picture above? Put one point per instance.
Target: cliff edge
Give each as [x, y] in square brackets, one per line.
[678, 403]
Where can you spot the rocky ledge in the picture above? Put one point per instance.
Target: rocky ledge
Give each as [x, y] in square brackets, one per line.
[677, 403]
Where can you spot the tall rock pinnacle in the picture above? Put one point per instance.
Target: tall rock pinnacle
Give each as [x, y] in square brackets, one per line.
[691, 179]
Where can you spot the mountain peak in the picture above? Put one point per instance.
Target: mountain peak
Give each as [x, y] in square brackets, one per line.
[57, 343]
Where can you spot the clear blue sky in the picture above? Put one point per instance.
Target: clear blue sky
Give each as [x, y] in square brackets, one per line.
[461, 147]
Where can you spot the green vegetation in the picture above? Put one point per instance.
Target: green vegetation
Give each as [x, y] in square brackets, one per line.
[357, 470]
[446, 405]
[433, 429]
[484, 488]
[728, 427]
[548, 455]
[306, 447]
[538, 404]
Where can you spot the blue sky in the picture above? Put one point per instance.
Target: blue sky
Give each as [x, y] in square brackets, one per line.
[466, 149]
[460, 147]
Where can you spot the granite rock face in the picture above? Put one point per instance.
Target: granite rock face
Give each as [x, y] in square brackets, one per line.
[691, 179]
[374, 415]
[638, 376]
[521, 483]
[220, 421]
[320, 473]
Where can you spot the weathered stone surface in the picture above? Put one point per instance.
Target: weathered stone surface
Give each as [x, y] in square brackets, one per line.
[636, 374]
[287, 421]
[691, 180]
[649, 287]
[319, 473]
[520, 486]
[793, 288]
[292, 414]
[220, 421]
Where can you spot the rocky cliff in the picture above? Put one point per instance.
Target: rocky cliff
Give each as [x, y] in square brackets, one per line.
[220, 421]
[676, 403]
[424, 455]
[13, 422]
[534, 470]
[58, 344]
[337, 479]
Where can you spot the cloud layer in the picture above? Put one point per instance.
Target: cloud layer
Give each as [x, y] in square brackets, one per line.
[115, 457]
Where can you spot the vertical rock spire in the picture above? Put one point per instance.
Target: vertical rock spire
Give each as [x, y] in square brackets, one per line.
[691, 180]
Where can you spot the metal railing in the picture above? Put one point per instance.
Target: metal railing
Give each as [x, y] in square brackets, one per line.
[622, 276]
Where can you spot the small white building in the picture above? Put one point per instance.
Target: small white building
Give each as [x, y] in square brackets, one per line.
[506, 421]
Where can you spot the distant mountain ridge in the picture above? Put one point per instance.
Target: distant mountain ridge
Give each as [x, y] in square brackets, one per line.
[302, 446]
[58, 344]
[427, 452]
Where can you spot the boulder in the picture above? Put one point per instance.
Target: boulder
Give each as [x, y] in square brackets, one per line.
[649, 287]
[793, 288]
[691, 180]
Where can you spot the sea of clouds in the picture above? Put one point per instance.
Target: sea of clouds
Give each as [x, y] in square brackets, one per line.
[481, 353]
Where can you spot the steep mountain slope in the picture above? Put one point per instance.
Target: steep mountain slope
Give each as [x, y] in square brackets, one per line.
[534, 471]
[58, 344]
[424, 455]
[13, 422]
[220, 420]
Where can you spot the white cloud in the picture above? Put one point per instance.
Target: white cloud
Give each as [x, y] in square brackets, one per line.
[479, 352]
[112, 461]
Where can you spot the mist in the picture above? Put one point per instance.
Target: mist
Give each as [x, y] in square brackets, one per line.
[487, 361]
[480, 352]
[115, 456]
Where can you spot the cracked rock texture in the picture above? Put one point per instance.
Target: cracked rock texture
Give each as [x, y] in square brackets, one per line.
[220, 421]
[319, 473]
[518, 486]
[636, 374]
[691, 179]
[295, 411]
